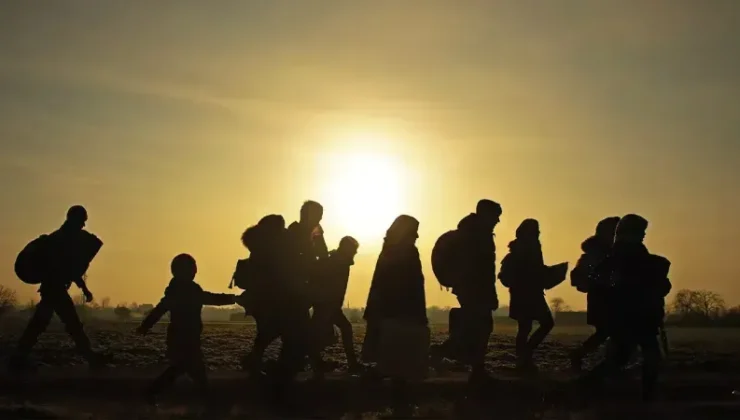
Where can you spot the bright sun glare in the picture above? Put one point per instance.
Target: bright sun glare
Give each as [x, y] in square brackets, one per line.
[364, 193]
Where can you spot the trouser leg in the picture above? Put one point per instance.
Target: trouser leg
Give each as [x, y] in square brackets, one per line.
[67, 313]
[522, 337]
[165, 379]
[345, 328]
[592, 343]
[546, 325]
[36, 325]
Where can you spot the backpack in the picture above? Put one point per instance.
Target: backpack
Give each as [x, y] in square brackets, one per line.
[243, 276]
[30, 262]
[506, 274]
[446, 258]
[580, 276]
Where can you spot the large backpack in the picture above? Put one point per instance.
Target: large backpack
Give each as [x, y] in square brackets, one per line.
[447, 263]
[580, 276]
[32, 260]
[244, 275]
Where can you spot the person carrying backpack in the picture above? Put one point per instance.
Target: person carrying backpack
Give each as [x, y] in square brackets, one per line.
[464, 260]
[595, 250]
[56, 261]
[259, 277]
[639, 284]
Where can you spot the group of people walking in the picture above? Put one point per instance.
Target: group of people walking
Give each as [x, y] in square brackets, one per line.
[294, 287]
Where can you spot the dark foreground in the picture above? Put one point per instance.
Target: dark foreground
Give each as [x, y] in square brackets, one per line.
[75, 393]
[701, 372]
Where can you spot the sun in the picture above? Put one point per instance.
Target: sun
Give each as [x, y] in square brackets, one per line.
[363, 193]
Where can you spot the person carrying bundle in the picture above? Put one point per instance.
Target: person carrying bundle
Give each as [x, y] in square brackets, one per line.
[55, 261]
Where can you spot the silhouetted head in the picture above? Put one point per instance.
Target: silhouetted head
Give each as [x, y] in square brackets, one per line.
[183, 267]
[529, 229]
[312, 213]
[605, 229]
[403, 231]
[250, 237]
[489, 212]
[631, 228]
[272, 222]
[76, 217]
[348, 247]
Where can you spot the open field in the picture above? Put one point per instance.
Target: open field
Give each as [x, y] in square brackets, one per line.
[703, 366]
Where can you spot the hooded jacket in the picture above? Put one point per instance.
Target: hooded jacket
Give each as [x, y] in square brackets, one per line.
[478, 281]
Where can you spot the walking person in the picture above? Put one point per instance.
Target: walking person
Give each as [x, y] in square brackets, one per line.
[595, 250]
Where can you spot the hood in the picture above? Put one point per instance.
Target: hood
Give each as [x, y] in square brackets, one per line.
[594, 245]
[336, 256]
[469, 222]
[520, 245]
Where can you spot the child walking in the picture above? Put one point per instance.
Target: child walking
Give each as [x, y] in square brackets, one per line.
[184, 299]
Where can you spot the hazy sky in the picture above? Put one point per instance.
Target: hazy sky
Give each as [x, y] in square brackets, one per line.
[180, 123]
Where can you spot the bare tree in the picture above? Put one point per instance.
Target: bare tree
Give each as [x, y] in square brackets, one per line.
[558, 305]
[105, 303]
[8, 299]
[698, 303]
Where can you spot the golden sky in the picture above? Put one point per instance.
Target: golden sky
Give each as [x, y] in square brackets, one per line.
[179, 123]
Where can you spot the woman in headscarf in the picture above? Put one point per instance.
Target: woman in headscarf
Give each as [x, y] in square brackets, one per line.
[595, 250]
[397, 295]
[524, 270]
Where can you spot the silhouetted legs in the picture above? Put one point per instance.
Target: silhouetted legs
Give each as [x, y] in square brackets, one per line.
[61, 304]
[345, 328]
[267, 332]
[526, 344]
[620, 354]
[470, 330]
[195, 369]
[589, 346]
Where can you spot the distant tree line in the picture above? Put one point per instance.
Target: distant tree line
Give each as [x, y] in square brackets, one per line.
[701, 308]
[688, 308]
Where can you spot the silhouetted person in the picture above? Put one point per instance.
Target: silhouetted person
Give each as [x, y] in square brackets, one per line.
[523, 271]
[305, 247]
[595, 250]
[262, 277]
[184, 300]
[475, 289]
[637, 303]
[329, 289]
[68, 254]
[396, 292]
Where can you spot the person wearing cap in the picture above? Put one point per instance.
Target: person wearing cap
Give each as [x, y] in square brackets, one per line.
[66, 264]
[475, 291]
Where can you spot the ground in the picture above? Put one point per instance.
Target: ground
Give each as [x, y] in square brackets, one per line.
[703, 367]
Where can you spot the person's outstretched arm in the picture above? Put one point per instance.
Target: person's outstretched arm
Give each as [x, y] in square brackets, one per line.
[155, 315]
[218, 299]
